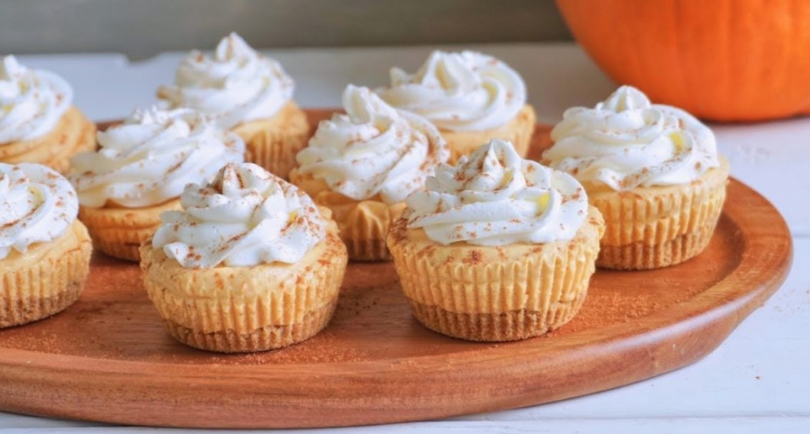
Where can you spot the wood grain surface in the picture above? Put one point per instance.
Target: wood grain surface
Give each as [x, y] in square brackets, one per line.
[108, 357]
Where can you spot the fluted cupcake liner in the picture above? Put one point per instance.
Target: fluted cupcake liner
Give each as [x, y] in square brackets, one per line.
[365, 229]
[659, 227]
[31, 290]
[519, 131]
[227, 309]
[363, 225]
[367, 250]
[261, 339]
[73, 134]
[496, 294]
[639, 256]
[273, 143]
[119, 232]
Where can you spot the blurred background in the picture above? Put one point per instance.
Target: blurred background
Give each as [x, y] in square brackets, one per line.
[143, 28]
[753, 67]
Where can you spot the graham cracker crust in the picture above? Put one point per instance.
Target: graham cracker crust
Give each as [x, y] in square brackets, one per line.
[495, 327]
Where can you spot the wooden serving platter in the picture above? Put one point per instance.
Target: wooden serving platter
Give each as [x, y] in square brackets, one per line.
[108, 357]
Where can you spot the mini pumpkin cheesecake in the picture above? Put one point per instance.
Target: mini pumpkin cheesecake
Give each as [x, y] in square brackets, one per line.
[38, 123]
[363, 164]
[248, 93]
[652, 170]
[249, 264]
[140, 171]
[471, 97]
[496, 248]
[44, 251]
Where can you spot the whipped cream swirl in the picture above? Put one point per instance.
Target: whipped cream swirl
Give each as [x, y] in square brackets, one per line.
[31, 101]
[234, 86]
[625, 142]
[245, 217]
[149, 158]
[373, 149]
[495, 198]
[37, 205]
[465, 91]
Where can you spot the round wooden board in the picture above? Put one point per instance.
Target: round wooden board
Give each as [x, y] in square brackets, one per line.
[108, 358]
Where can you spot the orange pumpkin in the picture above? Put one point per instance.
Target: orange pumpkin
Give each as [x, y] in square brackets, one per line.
[725, 60]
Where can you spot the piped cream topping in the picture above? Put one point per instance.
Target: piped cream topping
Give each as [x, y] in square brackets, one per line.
[150, 158]
[626, 142]
[31, 101]
[464, 91]
[234, 85]
[245, 217]
[495, 198]
[37, 205]
[373, 149]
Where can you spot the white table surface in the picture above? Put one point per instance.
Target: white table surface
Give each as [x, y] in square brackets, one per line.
[758, 380]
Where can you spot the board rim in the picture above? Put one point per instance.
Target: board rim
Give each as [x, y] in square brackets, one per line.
[728, 302]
